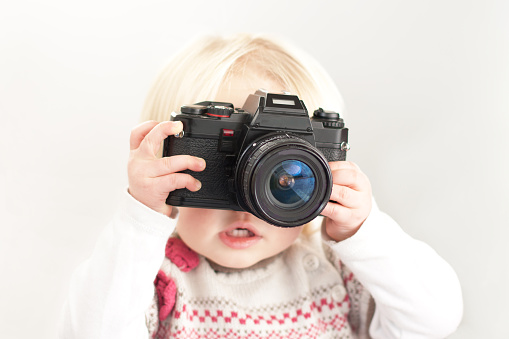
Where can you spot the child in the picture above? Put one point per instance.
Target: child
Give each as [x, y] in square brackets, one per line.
[228, 274]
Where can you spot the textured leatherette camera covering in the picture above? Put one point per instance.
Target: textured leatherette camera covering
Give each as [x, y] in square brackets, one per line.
[214, 175]
[333, 154]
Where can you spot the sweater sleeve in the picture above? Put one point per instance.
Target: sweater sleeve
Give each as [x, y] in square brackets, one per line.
[416, 292]
[110, 292]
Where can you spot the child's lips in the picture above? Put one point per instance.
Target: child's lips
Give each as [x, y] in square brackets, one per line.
[240, 235]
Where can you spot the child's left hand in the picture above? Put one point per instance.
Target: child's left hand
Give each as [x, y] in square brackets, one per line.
[350, 200]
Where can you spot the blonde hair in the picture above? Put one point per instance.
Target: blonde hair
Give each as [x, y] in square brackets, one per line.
[199, 70]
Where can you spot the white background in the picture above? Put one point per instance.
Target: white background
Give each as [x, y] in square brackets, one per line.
[426, 85]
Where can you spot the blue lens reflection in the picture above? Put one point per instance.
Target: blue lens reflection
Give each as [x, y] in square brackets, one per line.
[291, 184]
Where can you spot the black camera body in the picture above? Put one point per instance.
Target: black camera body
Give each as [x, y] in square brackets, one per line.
[268, 158]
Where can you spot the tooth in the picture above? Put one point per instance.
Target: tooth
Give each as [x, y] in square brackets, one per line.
[240, 233]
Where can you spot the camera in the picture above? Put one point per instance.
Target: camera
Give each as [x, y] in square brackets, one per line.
[268, 158]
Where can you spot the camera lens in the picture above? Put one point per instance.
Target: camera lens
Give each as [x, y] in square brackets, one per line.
[283, 180]
[291, 184]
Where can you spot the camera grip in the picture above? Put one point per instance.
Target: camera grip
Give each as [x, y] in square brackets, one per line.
[214, 185]
[333, 154]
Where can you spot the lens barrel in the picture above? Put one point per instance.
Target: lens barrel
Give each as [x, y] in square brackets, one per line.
[283, 180]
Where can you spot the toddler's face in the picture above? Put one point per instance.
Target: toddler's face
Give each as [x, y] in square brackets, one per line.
[230, 238]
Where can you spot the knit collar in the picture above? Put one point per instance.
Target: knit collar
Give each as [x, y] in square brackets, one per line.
[259, 265]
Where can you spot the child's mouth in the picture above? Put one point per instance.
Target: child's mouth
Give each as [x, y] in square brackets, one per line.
[240, 233]
[239, 237]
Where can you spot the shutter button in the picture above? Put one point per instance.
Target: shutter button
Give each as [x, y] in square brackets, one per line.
[311, 262]
[338, 292]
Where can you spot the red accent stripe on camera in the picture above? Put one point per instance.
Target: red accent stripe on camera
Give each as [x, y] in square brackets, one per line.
[217, 115]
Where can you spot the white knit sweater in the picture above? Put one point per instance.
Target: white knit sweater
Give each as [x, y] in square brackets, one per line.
[417, 294]
[304, 292]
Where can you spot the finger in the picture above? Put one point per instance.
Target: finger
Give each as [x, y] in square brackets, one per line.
[352, 178]
[346, 196]
[169, 211]
[151, 144]
[337, 165]
[174, 212]
[337, 212]
[177, 181]
[139, 132]
[176, 163]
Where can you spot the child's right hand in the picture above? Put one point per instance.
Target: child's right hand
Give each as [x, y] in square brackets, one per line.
[151, 178]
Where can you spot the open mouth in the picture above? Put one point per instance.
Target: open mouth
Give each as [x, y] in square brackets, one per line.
[240, 233]
[240, 237]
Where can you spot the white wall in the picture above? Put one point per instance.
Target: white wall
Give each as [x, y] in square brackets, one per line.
[426, 85]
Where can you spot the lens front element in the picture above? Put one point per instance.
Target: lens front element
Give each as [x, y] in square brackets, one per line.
[291, 184]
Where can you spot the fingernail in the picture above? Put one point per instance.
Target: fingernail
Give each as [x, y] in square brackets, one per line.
[202, 163]
[198, 185]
